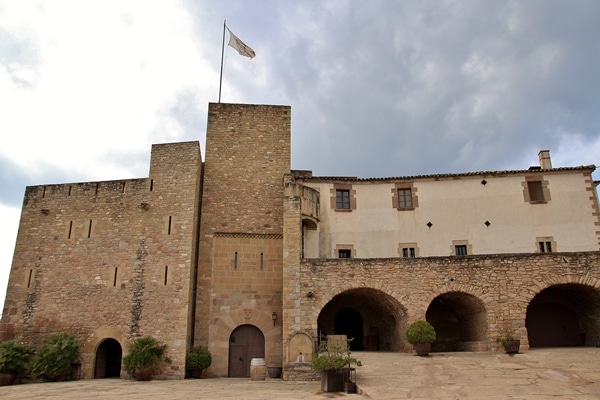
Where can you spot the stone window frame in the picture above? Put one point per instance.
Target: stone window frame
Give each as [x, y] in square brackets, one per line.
[349, 247]
[545, 244]
[408, 246]
[396, 197]
[351, 193]
[461, 243]
[528, 189]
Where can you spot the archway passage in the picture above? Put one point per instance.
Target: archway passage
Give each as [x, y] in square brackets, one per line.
[373, 319]
[108, 359]
[349, 322]
[564, 315]
[460, 322]
[245, 343]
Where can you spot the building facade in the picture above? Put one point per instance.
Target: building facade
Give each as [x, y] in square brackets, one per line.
[252, 259]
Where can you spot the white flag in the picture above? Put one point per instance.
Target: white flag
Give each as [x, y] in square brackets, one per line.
[240, 46]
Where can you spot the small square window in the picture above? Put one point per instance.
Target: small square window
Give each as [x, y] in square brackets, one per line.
[460, 250]
[408, 252]
[405, 198]
[342, 199]
[344, 253]
[545, 247]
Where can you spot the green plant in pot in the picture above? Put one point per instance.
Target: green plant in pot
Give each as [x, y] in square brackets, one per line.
[197, 360]
[509, 341]
[334, 360]
[57, 359]
[14, 357]
[146, 354]
[421, 334]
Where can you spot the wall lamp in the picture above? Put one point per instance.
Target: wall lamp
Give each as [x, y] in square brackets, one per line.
[274, 317]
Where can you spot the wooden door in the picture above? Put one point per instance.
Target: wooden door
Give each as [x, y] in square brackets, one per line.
[245, 343]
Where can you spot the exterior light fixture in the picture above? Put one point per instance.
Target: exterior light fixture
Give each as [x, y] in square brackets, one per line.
[274, 317]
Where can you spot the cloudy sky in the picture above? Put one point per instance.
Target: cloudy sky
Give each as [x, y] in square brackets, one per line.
[377, 88]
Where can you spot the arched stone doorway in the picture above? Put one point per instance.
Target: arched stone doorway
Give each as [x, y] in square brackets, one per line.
[373, 318]
[564, 315]
[460, 322]
[245, 343]
[108, 359]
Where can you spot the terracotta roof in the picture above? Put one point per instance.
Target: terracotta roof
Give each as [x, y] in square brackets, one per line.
[449, 175]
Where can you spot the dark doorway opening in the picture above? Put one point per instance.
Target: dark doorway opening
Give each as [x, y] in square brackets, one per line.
[564, 315]
[245, 343]
[460, 322]
[374, 319]
[349, 322]
[108, 359]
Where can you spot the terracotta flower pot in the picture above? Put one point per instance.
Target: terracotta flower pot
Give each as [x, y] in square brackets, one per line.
[422, 349]
[143, 374]
[512, 346]
[7, 378]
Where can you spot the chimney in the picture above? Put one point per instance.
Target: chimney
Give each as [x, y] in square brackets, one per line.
[545, 162]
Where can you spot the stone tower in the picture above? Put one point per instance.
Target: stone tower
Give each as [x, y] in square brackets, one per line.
[239, 292]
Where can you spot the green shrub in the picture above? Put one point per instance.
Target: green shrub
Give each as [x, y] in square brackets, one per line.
[14, 356]
[420, 332]
[54, 360]
[198, 358]
[332, 356]
[145, 352]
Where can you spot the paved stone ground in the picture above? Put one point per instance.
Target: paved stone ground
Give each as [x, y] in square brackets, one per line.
[565, 373]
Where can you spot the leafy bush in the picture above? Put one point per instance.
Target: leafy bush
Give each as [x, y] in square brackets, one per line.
[420, 332]
[144, 353]
[198, 358]
[14, 356]
[55, 358]
[333, 356]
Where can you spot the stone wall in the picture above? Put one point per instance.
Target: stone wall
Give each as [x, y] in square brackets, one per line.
[110, 259]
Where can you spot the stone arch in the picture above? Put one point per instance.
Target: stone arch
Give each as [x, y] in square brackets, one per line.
[460, 321]
[564, 314]
[383, 319]
[108, 359]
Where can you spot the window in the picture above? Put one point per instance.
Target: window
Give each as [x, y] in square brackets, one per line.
[545, 247]
[342, 199]
[460, 250]
[405, 198]
[344, 253]
[545, 244]
[408, 252]
[535, 190]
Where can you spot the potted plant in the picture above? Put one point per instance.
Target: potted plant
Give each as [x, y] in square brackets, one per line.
[14, 357]
[421, 334]
[510, 343]
[57, 359]
[334, 361]
[197, 360]
[145, 355]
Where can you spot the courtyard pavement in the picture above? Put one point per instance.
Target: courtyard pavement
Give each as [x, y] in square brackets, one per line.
[565, 373]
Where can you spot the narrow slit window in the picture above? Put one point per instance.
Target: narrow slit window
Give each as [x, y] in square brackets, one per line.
[123, 189]
[262, 260]
[90, 229]
[97, 186]
[235, 260]
[44, 192]
[169, 226]
[151, 184]
[70, 229]
[29, 278]
[70, 187]
[166, 273]
[115, 278]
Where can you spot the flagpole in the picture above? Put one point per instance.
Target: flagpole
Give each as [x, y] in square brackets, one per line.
[222, 52]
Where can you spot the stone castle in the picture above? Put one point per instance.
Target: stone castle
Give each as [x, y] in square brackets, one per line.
[242, 254]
